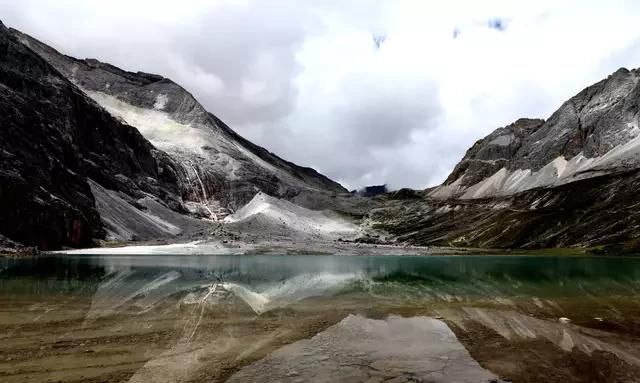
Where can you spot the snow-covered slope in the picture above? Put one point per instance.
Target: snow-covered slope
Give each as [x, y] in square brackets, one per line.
[277, 217]
[594, 133]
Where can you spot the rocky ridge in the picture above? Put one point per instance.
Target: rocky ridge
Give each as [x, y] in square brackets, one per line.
[223, 170]
[89, 151]
[594, 133]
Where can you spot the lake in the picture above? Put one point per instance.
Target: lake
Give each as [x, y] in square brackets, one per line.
[181, 318]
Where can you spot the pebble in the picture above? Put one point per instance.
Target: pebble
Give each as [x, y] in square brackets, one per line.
[564, 320]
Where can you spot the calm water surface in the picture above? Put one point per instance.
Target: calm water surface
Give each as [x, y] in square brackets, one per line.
[215, 318]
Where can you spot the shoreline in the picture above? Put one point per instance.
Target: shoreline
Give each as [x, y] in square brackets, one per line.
[283, 247]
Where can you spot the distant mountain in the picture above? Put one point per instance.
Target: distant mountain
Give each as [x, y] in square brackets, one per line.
[371, 191]
[571, 180]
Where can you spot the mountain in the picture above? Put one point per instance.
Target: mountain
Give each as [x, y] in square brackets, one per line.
[55, 143]
[276, 218]
[371, 191]
[89, 151]
[568, 181]
[225, 171]
[597, 211]
[594, 133]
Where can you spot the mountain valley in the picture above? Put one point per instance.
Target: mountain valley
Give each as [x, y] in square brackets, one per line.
[93, 154]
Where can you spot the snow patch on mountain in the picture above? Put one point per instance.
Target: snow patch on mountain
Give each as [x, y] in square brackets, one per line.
[487, 187]
[557, 172]
[503, 140]
[161, 102]
[202, 144]
[266, 214]
[445, 191]
[155, 125]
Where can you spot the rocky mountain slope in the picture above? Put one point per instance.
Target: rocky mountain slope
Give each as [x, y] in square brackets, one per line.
[55, 143]
[223, 169]
[568, 181]
[594, 133]
[596, 211]
[277, 218]
[88, 151]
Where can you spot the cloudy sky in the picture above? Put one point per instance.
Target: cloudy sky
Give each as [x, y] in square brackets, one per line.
[367, 92]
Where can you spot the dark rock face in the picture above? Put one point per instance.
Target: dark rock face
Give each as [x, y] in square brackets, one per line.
[224, 170]
[52, 139]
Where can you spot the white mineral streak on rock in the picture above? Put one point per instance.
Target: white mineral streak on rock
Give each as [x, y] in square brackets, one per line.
[204, 200]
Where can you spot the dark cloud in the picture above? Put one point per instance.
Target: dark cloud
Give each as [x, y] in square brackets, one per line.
[378, 40]
[361, 140]
[497, 24]
[376, 117]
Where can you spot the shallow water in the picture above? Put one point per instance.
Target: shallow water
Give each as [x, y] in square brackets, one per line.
[213, 318]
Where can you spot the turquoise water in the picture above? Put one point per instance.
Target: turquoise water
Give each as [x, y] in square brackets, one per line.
[317, 275]
[201, 318]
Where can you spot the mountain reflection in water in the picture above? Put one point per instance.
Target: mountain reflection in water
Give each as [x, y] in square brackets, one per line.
[213, 318]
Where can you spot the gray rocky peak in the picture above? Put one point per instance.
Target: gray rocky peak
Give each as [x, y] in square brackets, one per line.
[592, 133]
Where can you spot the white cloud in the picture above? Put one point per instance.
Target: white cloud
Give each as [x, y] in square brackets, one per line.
[307, 81]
